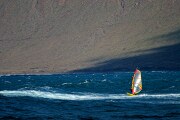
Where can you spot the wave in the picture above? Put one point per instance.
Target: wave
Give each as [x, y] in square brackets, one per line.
[7, 82]
[1, 75]
[66, 83]
[82, 96]
[84, 82]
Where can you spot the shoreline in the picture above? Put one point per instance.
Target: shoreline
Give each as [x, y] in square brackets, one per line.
[85, 72]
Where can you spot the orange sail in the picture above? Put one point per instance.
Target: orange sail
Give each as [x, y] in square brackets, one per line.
[136, 82]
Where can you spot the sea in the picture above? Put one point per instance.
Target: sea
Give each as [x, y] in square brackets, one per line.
[89, 96]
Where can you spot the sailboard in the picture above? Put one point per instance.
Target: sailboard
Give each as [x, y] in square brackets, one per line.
[136, 86]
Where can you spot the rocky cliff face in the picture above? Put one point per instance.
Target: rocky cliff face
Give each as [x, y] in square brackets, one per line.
[89, 35]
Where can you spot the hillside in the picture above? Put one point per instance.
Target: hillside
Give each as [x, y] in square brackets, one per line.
[89, 35]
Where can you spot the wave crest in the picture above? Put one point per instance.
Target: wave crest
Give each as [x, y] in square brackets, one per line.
[81, 96]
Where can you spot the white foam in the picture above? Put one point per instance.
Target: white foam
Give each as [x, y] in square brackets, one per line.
[159, 95]
[82, 96]
[46, 87]
[85, 82]
[6, 75]
[7, 81]
[66, 83]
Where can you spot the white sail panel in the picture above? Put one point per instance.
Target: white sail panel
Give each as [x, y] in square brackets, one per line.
[137, 82]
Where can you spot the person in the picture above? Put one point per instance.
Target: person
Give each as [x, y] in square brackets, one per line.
[131, 90]
[132, 84]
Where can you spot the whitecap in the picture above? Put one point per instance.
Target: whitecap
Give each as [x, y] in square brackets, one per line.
[46, 87]
[66, 84]
[85, 82]
[83, 96]
[60, 96]
[172, 87]
[165, 96]
[7, 81]
[6, 75]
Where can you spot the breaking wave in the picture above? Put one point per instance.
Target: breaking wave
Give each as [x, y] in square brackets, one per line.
[82, 96]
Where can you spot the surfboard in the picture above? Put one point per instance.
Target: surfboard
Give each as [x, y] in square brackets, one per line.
[129, 94]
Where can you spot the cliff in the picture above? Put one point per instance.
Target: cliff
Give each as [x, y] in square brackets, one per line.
[89, 35]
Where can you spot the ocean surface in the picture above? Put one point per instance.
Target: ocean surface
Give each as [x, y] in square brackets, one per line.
[90, 96]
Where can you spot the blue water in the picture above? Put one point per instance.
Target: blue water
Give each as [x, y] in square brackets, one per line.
[89, 96]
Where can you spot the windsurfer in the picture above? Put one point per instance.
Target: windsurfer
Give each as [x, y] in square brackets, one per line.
[132, 84]
[136, 86]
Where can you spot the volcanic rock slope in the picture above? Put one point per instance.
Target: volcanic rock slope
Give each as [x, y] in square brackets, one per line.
[89, 35]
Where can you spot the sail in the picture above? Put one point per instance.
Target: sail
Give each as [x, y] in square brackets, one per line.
[136, 82]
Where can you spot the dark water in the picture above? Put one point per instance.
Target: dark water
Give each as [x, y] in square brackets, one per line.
[89, 96]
